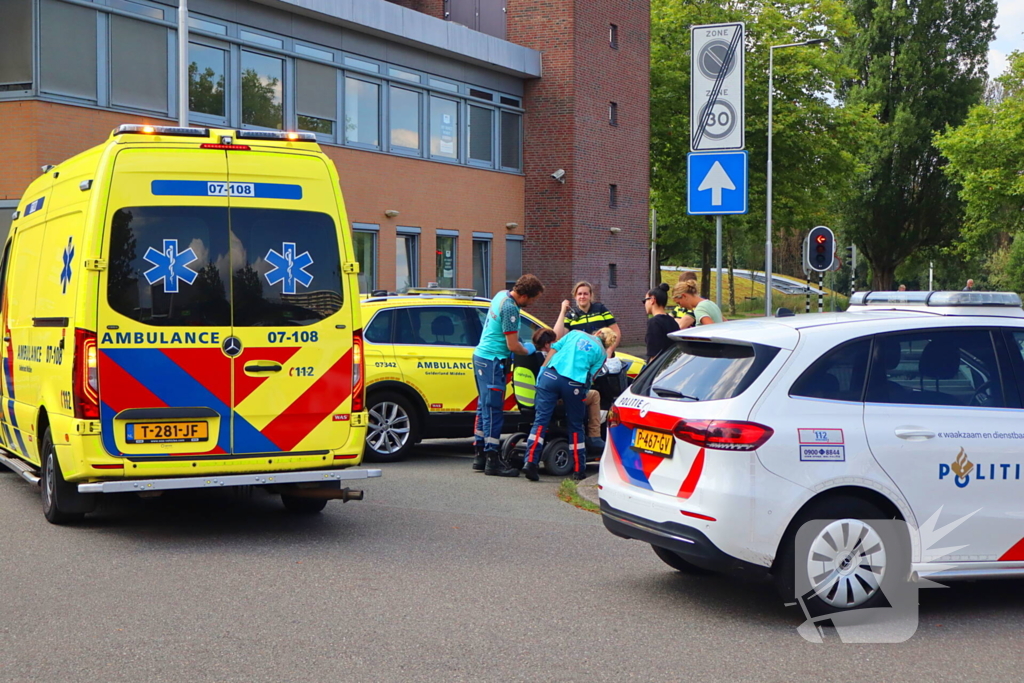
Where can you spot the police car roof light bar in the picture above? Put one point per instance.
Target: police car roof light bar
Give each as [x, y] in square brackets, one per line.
[178, 131]
[1003, 299]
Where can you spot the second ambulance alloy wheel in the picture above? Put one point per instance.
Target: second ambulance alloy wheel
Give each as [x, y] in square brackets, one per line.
[393, 428]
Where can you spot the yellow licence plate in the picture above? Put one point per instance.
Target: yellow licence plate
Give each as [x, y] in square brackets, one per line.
[166, 432]
[658, 443]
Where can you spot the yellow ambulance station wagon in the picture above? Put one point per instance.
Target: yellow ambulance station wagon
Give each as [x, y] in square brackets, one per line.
[180, 310]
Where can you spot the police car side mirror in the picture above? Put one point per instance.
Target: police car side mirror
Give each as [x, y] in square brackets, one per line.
[784, 313]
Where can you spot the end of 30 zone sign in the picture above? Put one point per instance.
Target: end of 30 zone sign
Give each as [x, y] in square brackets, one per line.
[716, 87]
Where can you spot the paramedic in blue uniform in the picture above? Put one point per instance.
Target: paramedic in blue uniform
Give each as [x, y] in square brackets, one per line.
[568, 370]
[500, 339]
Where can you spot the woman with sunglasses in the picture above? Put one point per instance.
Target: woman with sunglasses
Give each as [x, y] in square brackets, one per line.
[660, 323]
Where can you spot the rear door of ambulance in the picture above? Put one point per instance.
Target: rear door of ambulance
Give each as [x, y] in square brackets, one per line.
[293, 319]
[164, 308]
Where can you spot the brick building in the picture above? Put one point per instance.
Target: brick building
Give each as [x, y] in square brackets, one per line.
[446, 119]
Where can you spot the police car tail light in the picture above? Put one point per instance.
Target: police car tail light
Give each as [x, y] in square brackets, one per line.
[85, 382]
[725, 435]
[614, 419]
[357, 372]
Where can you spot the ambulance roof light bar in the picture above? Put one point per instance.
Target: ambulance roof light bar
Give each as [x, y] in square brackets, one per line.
[1002, 299]
[287, 136]
[178, 131]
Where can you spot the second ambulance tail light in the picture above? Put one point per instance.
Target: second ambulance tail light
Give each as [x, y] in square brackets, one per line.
[725, 435]
[357, 372]
[85, 376]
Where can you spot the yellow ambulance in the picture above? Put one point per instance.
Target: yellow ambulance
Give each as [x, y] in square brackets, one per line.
[180, 310]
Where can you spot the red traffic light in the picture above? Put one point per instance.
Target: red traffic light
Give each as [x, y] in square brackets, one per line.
[820, 239]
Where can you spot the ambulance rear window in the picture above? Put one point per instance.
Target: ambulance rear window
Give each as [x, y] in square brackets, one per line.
[216, 267]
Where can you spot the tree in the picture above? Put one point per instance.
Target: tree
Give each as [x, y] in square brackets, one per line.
[205, 90]
[261, 100]
[920, 66]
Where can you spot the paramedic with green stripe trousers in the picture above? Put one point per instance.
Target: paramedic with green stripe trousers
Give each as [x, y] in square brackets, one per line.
[500, 339]
[586, 315]
[567, 372]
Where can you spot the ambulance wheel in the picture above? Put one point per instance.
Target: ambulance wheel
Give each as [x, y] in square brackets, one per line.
[62, 503]
[858, 558]
[303, 506]
[511, 454]
[393, 428]
[557, 457]
[677, 562]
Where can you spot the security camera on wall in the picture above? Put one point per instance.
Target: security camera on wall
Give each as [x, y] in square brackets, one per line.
[559, 175]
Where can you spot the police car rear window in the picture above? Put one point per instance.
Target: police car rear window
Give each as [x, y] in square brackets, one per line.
[697, 370]
[215, 267]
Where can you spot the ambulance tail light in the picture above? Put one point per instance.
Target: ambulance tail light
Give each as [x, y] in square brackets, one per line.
[724, 435]
[358, 372]
[85, 383]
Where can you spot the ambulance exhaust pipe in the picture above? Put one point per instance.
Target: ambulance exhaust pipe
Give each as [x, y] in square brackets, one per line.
[344, 495]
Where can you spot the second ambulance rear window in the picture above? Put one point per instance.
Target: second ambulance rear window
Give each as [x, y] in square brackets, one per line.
[208, 266]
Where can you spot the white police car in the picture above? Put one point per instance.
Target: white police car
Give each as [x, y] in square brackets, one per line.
[909, 406]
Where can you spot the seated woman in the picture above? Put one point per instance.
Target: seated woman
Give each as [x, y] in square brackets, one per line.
[567, 372]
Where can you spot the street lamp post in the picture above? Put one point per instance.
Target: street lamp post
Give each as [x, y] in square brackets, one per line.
[183, 63]
[768, 221]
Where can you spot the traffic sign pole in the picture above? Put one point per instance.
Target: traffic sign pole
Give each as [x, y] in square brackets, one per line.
[718, 261]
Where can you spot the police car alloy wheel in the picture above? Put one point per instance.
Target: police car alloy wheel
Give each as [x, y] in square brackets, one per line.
[392, 428]
[846, 563]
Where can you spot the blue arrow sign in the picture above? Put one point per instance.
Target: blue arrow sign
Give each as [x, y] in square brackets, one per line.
[716, 183]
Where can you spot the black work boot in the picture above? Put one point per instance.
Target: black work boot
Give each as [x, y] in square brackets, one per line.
[495, 468]
[579, 476]
[479, 460]
[530, 471]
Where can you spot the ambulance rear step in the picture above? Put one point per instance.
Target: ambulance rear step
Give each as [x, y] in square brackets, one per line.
[266, 479]
[23, 469]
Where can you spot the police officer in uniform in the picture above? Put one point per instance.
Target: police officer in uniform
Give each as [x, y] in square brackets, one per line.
[586, 315]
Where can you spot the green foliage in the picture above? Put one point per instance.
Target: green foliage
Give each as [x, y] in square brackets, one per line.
[816, 144]
[986, 158]
[261, 100]
[919, 67]
[205, 90]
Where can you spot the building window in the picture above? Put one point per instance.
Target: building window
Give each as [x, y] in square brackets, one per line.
[613, 196]
[138, 64]
[613, 275]
[481, 134]
[364, 241]
[404, 116]
[482, 267]
[316, 97]
[446, 260]
[613, 36]
[613, 113]
[406, 261]
[444, 128]
[513, 260]
[511, 137]
[362, 112]
[7, 208]
[16, 46]
[262, 86]
[67, 51]
[206, 80]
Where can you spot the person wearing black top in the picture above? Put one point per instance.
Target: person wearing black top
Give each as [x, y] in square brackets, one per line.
[660, 324]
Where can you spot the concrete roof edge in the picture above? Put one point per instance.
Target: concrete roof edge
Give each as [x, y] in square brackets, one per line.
[393, 22]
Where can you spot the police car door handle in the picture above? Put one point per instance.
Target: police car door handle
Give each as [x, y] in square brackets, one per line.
[914, 433]
[255, 367]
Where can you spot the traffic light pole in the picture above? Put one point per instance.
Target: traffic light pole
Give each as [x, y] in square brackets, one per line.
[821, 291]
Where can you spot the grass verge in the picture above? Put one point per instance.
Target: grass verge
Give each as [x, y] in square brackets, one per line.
[567, 492]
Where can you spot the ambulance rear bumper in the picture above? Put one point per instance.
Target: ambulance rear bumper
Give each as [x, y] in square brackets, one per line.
[276, 478]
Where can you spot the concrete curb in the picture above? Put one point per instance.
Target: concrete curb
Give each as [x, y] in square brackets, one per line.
[588, 489]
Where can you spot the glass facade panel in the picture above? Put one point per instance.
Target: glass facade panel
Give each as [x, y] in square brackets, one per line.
[482, 268]
[404, 113]
[16, 46]
[510, 140]
[313, 52]
[208, 26]
[138, 64]
[360, 64]
[365, 244]
[444, 128]
[261, 39]
[446, 261]
[405, 262]
[362, 112]
[262, 86]
[481, 134]
[67, 54]
[316, 95]
[206, 80]
[513, 261]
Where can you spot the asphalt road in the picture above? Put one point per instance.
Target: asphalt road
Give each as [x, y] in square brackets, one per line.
[441, 574]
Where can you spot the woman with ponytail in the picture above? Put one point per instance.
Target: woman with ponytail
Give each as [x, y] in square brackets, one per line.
[660, 323]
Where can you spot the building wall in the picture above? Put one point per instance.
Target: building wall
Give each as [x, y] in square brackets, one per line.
[568, 227]
[427, 195]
